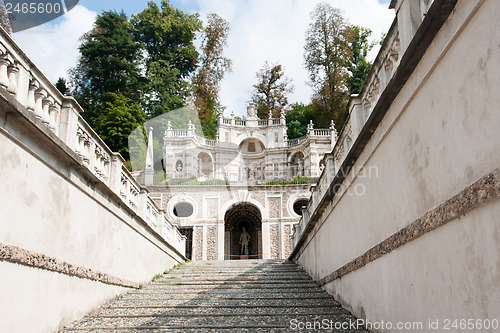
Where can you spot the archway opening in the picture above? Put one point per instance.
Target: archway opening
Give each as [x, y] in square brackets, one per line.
[243, 232]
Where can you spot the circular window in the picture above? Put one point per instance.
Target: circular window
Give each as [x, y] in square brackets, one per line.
[183, 209]
[297, 206]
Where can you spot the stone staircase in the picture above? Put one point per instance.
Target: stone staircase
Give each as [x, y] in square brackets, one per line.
[223, 296]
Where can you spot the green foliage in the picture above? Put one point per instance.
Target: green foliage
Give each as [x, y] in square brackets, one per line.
[166, 36]
[359, 68]
[297, 180]
[108, 64]
[193, 181]
[298, 119]
[119, 118]
[327, 57]
[212, 68]
[62, 86]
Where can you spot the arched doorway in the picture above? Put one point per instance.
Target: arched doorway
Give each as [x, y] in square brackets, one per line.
[239, 218]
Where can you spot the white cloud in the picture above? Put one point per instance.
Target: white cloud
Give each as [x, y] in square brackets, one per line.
[53, 47]
[274, 30]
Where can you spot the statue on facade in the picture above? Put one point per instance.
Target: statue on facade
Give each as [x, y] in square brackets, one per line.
[244, 239]
[252, 111]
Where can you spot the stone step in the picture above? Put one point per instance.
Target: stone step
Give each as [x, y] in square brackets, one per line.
[267, 302]
[233, 284]
[226, 310]
[228, 296]
[209, 321]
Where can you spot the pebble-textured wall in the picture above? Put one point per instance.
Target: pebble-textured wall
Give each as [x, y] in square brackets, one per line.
[212, 242]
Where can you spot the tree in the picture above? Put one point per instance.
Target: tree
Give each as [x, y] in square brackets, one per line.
[360, 46]
[327, 57]
[270, 92]
[119, 118]
[4, 18]
[62, 86]
[109, 63]
[212, 68]
[298, 119]
[166, 37]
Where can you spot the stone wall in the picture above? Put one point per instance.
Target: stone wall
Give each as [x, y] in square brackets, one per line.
[75, 228]
[424, 226]
[210, 204]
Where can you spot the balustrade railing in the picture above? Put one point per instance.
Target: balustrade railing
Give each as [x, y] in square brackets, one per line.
[60, 114]
[361, 106]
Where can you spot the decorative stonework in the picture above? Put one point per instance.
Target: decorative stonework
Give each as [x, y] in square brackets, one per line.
[212, 242]
[274, 207]
[198, 243]
[24, 257]
[165, 198]
[274, 233]
[481, 192]
[212, 208]
[260, 197]
[287, 229]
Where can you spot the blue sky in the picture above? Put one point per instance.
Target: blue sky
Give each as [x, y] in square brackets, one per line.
[261, 30]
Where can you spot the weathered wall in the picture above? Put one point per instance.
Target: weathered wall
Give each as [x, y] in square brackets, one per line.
[75, 229]
[418, 239]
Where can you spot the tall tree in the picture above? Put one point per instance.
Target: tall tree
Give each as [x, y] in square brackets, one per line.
[359, 68]
[327, 57]
[4, 18]
[107, 81]
[108, 64]
[298, 119]
[166, 36]
[62, 86]
[270, 94]
[212, 68]
[120, 117]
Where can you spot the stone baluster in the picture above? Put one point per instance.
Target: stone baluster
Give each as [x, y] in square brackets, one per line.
[4, 77]
[12, 71]
[86, 150]
[40, 95]
[46, 104]
[31, 102]
[54, 112]
[106, 168]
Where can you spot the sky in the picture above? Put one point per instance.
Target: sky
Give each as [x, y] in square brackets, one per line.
[260, 31]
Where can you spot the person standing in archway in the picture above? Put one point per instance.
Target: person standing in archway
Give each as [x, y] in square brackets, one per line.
[244, 239]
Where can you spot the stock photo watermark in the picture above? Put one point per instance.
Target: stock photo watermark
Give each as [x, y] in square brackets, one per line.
[412, 326]
[26, 14]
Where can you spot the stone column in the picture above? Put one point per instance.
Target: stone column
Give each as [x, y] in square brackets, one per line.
[266, 241]
[220, 240]
[204, 242]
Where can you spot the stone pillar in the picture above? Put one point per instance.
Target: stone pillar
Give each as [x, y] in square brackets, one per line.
[266, 241]
[204, 242]
[220, 240]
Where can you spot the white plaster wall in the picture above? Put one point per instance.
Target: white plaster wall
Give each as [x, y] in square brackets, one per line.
[36, 300]
[49, 208]
[43, 212]
[439, 136]
[451, 273]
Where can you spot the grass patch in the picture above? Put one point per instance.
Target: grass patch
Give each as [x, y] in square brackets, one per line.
[156, 277]
[296, 180]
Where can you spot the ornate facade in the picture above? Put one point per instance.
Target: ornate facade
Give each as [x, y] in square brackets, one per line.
[250, 177]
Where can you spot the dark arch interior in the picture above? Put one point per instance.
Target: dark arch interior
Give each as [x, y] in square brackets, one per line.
[297, 206]
[183, 209]
[241, 216]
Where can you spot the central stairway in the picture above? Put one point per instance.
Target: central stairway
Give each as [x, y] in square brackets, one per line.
[223, 296]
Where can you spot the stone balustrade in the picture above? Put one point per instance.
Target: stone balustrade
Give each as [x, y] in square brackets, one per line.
[61, 116]
[409, 16]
